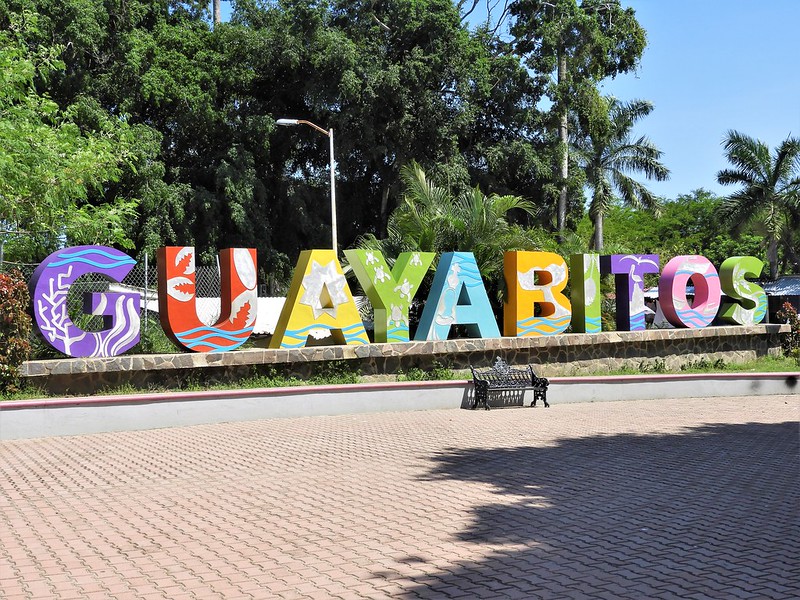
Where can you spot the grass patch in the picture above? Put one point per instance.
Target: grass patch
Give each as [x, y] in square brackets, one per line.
[764, 364]
[438, 372]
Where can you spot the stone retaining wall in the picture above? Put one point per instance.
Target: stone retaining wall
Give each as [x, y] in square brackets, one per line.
[564, 354]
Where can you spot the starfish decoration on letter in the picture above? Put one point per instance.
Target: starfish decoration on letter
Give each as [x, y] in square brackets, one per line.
[324, 283]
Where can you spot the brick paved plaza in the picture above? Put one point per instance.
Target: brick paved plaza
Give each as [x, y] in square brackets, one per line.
[649, 499]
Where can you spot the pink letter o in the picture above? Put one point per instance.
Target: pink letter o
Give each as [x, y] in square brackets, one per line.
[672, 284]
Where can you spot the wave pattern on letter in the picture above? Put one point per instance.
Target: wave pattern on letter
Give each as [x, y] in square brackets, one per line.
[593, 324]
[637, 321]
[538, 326]
[397, 334]
[694, 319]
[124, 334]
[761, 309]
[299, 336]
[200, 337]
[80, 256]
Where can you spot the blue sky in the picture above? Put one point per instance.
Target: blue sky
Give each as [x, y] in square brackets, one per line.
[711, 66]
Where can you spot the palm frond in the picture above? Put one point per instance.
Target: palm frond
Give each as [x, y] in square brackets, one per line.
[748, 155]
[787, 161]
[609, 155]
[733, 176]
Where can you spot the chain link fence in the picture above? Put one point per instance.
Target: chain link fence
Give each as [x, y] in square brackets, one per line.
[142, 280]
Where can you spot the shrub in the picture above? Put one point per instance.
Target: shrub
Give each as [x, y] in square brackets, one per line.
[437, 372]
[15, 329]
[704, 365]
[657, 365]
[791, 343]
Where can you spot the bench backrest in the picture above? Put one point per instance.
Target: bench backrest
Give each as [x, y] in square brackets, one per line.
[501, 372]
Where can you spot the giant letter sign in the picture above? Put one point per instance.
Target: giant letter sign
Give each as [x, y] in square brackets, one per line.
[120, 311]
[319, 298]
[753, 306]
[390, 292]
[457, 297]
[525, 292]
[629, 271]
[177, 304]
[672, 291]
[585, 294]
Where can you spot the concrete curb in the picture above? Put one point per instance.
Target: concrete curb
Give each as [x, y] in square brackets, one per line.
[100, 414]
[655, 387]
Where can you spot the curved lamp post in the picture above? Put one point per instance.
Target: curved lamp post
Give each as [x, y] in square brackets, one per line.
[329, 133]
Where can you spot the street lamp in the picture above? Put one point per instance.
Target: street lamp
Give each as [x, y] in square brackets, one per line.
[329, 133]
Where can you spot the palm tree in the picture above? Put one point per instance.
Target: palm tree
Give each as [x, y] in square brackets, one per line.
[431, 219]
[770, 196]
[607, 153]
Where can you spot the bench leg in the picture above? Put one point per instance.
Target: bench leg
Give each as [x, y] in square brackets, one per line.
[540, 395]
[481, 397]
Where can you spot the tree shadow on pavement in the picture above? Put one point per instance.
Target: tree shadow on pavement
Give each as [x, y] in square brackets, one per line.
[710, 513]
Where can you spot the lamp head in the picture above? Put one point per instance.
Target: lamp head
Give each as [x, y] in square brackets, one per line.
[287, 122]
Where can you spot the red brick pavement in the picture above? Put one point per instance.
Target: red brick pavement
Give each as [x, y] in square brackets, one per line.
[689, 498]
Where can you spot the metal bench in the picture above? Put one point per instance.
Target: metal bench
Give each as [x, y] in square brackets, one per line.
[501, 378]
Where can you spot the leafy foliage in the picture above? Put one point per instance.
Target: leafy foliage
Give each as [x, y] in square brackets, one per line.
[437, 372]
[572, 45]
[791, 343]
[396, 81]
[15, 328]
[690, 224]
[607, 153]
[769, 196]
[432, 219]
[138, 123]
[49, 165]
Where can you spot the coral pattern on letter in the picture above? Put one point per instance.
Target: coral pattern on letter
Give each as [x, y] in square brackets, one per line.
[49, 286]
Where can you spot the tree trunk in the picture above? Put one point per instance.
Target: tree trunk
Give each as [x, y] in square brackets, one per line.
[598, 233]
[384, 220]
[772, 258]
[217, 12]
[563, 136]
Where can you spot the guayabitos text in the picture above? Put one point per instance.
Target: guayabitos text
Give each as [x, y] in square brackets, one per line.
[320, 298]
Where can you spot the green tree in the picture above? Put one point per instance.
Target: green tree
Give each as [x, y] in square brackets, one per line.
[432, 219]
[396, 80]
[573, 45]
[421, 86]
[506, 147]
[608, 153]
[180, 86]
[689, 224]
[770, 194]
[49, 166]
